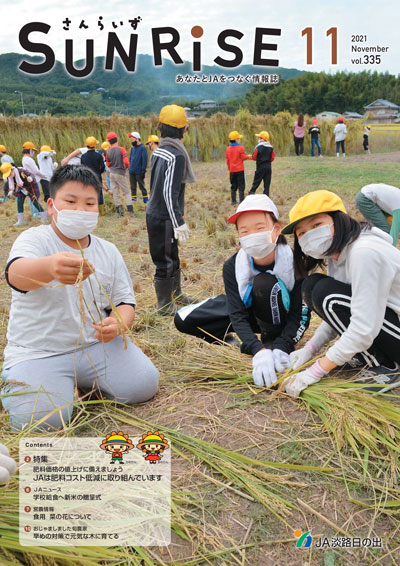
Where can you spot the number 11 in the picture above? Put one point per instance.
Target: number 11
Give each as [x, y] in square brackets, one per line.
[334, 50]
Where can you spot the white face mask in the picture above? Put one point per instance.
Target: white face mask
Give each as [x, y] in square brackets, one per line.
[316, 242]
[75, 224]
[258, 245]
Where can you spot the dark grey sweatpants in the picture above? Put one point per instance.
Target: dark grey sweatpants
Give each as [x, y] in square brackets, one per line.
[127, 376]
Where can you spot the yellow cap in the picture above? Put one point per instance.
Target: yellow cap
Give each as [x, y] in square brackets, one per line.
[6, 169]
[234, 135]
[173, 115]
[311, 204]
[29, 145]
[91, 141]
[152, 138]
[3, 148]
[263, 135]
[105, 145]
[46, 148]
[153, 438]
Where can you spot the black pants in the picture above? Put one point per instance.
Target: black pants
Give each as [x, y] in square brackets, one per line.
[5, 188]
[267, 314]
[331, 300]
[237, 180]
[365, 142]
[298, 145]
[136, 178]
[21, 200]
[262, 173]
[45, 188]
[163, 246]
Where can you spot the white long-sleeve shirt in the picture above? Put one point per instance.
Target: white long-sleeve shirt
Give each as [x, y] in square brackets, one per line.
[46, 163]
[29, 164]
[340, 132]
[385, 196]
[371, 265]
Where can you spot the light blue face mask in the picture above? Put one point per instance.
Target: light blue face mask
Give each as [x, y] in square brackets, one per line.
[316, 242]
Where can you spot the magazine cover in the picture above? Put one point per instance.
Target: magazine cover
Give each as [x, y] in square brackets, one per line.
[200, 289]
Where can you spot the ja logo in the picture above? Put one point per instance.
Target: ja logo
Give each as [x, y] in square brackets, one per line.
[305, 539]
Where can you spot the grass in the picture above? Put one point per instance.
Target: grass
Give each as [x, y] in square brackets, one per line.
[246, 462]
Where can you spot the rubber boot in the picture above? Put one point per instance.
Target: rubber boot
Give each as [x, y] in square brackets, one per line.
[145, 200]
[344, 155]
[20, 219]
[102, 209]
[34, 210]
[43, 217]
[120, 210]
[178, 296]
[164, 289]
[337, 155]
[130, 210]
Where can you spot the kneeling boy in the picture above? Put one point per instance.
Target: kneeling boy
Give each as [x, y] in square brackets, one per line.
[63, 333]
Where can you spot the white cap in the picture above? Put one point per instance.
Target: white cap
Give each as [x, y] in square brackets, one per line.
[135, 135]
[255, 203]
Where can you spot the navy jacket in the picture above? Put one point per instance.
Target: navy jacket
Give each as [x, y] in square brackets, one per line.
[138, 159]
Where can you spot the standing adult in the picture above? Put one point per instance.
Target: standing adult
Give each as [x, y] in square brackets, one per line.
[340, 132]
[118, 162]
[298, 134]
[170, 171]
[137, 166]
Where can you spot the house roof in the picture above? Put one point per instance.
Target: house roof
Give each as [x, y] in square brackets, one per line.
[208, 102]
[353, 115]
[379, 102]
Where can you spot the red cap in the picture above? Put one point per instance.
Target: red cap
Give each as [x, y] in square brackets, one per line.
[111, 135]
[315, 122]
[340, 119]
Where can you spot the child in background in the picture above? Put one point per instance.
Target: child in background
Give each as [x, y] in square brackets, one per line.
[340, 132]
[94, 160]
[21, 183]
[314, 132]
[380, 205]
[29, 164]
[235, 155]
[103, 151]
[47, 166]
[366, 138]
[51, 347]
[5, 158]
[153, 142]
[264, 154]
[118, 162]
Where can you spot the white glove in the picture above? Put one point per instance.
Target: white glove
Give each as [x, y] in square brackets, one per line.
[264, 368]
[300, 357]
[8, 466]
[281, 360]
[181, 233]
[295, 384]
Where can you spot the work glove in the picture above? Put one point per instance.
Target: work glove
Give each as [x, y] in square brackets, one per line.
[300, 357]
[281, 360]
[264, 368]
[181, 233]
[8, 466]
[295, 384]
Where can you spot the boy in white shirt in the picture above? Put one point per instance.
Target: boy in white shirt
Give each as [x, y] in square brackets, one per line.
[51, 347]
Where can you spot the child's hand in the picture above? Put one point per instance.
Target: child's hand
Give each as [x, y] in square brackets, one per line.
[107, 329]
[65, 267]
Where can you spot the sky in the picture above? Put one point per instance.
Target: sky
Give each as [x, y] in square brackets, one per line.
[377, 20]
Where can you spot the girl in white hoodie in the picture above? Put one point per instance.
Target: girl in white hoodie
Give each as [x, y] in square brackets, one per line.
[359, 299]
